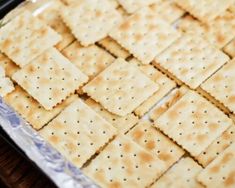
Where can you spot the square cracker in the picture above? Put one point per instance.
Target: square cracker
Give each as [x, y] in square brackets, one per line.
[217, 146]
[193, 122]
[50, 78]
[119, 88]
[100, 18]
[218, 32]
[21, 39]
[230, 48]
[220, 172]
[51, 16]
[8, 65]
[133, 5]
[165, 86]
[113, 47]
[6, 85]
[191, 59]
[167, 10]
[183, 175]
[221, 85]
[123, 163]
[80, 137]
[154, 141]
[122, 124]
[144, 35]
[90, 60]
[205, 10]
[31, 110]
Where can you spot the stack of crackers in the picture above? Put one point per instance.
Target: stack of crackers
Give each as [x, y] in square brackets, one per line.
[136, 93]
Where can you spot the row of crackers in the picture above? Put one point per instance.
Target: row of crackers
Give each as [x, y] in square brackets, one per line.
[130, 98]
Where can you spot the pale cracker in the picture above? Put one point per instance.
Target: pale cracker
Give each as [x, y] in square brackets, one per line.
[167, 102]
[119, 88]
[6, 85]
[100, 18]
[133, 5]
[51, 16]
[221, 85]
[218, 32]
[122, 124]
[21, 39]
[167, 10]
[220, 172]
[50, 78]
[8, 65]
[191, 59]
[230, 48]
[123, 163]
[154, 141]
[193, 122]
[80, 137]
[205, 10]
[31, 110]
[165, 86]
[144, 35]
[217, 146]
[182, 175]
[90, 60]
[113, 47]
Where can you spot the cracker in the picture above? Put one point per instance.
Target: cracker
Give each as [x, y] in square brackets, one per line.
[50, 78]
[122, 124]
[119, 88]
[221, 171]
[182, 174]
[167, 102]
[123, 163]
[113, 47]
[8, 65]
[100, 18]
[21, 39]
[230, 48]
[31, 110]
[51, 15]
[6, 85]
[193, 122]
[154, 141]
[90, 60]
[80, 137]
[144, 35]
[221, 85]
[217, 146]
[133, 5]
[218, 32]
[191, 59]
[205, 10]
[165, 86]
[168, 10]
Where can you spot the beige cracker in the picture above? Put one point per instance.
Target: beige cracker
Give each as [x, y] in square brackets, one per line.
[25, 38]
[144, 35]
[156, 142]
[230, 48]
[122, 124]
[8, 65]
[119, 88]
[6, 85]
[220, 172]
[80, 137]
[191, 59]
[100, 18]
[50, 78]
[182, 174]
[31, 110]
[90, 60]
[123, 163]
[193, 122]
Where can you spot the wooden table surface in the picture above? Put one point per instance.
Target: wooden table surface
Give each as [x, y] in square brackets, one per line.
[18, 172]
